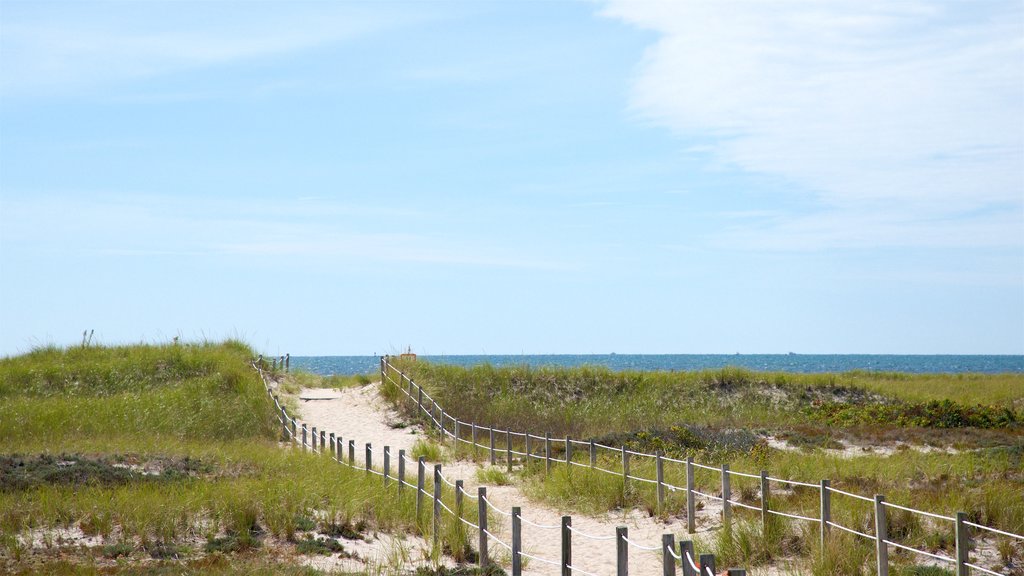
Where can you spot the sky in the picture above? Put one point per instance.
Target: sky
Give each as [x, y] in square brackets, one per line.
[348, 178]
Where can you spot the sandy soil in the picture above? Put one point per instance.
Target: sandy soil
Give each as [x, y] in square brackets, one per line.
[360, 414]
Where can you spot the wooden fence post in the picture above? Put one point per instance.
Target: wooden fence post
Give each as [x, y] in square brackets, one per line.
[368, 460]
[659, 467]
[455, 445]
[566, 546]
[437, 504]
[668, 562]
[481, 502]
[529, 451]
[686, 551]
[764, 499]
[707, 562]
[401, 470]
[691, 503]
[826, 513]
[726, 496]
[387, 464]
[304, 444]
[312, 440]
[473, 424]
[881, 534]
[517, 541]
[547, 452]
[508, 450]
[625, 471]
[352, 453]
[333, 452]
[421, 470]
[621, 551]
[962, 545]
[494, 460]
[323, 441]
[593, 454]
[458, 500]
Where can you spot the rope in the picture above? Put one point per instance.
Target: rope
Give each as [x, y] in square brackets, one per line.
[794, 482]
[585, 535]
[744, 474]
[464, 521]
[985, 570]
[857, 496]
[642, 479]
[496, 509]
[742, 505]
[794, 516]
[498, 540]
[929, 554]
[445, 480]
[541, 526]
[539, 559]
[1010, 534]
[672, 553]
[709, 496]
[640, 546]
[851, 531]
[689, 560]
[939, 516]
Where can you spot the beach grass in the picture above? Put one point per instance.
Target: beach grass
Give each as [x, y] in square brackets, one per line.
[173, 447]
[941, 443]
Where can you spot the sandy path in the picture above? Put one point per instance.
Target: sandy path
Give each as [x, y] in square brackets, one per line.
[360, 414]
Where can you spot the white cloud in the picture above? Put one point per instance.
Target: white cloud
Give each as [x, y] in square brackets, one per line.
[87, 44]
[912, 109]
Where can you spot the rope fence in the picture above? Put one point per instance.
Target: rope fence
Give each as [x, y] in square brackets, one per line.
[544, 448]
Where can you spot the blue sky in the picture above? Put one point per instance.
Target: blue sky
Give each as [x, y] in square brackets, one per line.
[507, 177]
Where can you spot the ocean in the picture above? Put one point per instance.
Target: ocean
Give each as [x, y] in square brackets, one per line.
[804, 363]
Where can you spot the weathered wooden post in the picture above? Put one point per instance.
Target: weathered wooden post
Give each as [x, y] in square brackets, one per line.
[323, 441]
[352, 453]
[369, 457]
[517, 541]
[437, 504]
[691, 503]
[962, 545]
[566, 546]
[659, 465]
[481, 507]
[387, 464]
[826, 513]
[726, 497]
[305, 445]
[312, 443]
[688, 554]
[621, 551]
[529, 451]
[625, 470]
[593, 454]
[420, 472]
[287, 362]
[764, 499]
[401, 470]
[881, 535]
[547, 452]
[707, 563]
[508, 451]
[493, 459]
[333, 450]
[668, 562]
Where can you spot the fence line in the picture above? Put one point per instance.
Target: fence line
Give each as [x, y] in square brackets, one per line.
[825, 490]
[290, 426]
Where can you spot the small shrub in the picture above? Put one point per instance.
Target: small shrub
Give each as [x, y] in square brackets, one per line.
[492, 476]
[117, 550]
[321, 546]
[430, 451]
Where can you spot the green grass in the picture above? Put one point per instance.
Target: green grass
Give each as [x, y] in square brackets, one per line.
[79, 426]
[296, 380]
[721, 416]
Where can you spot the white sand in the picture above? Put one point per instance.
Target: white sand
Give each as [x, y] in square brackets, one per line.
[360, 414]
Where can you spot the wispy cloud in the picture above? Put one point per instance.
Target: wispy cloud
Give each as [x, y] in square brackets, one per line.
[52, 48]
[899, 121]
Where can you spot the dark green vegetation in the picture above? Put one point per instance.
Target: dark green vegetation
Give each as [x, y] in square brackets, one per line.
[941, 443]
[166, 459]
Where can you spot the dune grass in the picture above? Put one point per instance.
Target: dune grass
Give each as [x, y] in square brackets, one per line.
[161, 445]
[722, 416]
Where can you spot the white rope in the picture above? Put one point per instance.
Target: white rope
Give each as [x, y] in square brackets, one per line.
[742, 505]
[464, 521]
[850, 530]
[642, 479]
[794, 482]
[929, 554]
[495, 508]
[939, 516]
[639, 454]
[985, 570]
[585, 535]
[539, 559]
[708, 496]
[447, 509]
[744, 474]
[777, 513]
[672, 553]
[541, 526]
[640, 546]
[607, 471]
[689, 560]
[498, 540]
[445, 480]
[606, 447]
[580, 570]
[857, 496]
[1010, 534]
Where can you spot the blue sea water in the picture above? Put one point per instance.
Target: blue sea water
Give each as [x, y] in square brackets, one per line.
[805, 363]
